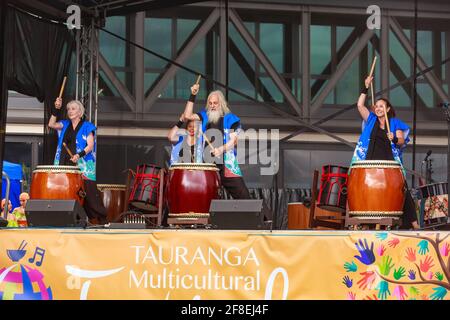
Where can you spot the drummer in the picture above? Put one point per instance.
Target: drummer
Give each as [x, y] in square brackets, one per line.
[375, 143]
[183, 141]
[218, 116]
[78, 135]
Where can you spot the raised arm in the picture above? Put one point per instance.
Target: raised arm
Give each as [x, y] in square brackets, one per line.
[172, 135]
[189, 109]
[363, 111]
[52, 122]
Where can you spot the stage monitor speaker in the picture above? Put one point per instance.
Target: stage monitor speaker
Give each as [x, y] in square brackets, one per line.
[55, 213]
[237, 214]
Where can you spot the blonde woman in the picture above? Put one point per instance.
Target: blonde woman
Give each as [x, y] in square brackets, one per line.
[79, 137]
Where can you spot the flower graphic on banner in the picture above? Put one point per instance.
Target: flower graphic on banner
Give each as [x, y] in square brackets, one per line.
[22, 282]
[412, 266]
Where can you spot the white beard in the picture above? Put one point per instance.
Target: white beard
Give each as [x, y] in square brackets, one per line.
[214, 116]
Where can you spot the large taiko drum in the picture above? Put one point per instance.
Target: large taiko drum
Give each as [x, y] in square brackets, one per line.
[113, 197]
[376, 188]
[191, 188]
[57, 183]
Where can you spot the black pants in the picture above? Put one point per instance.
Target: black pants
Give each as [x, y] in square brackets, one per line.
[409, 211]
[235, 186]
[93, 203]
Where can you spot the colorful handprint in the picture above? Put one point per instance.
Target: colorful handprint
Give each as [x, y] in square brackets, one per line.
[367, 257]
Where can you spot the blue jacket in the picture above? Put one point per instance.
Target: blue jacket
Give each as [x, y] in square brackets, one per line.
[87, 163]
[231, 165]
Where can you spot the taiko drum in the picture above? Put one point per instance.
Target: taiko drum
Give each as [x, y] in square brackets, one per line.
[192, 187]
[57, 183]
[376, 189]
[113, 197]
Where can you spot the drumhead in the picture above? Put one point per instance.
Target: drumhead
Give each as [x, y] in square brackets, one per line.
[376, 164]
[65, 169]
[194, 166]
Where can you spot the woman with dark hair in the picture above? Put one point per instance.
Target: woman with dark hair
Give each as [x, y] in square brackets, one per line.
[183, 141]
[376, 143]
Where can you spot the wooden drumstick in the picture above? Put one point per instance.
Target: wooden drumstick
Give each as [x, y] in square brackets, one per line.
[387, 119]
[372, 94]
[207, 140]
[372, 69]
[198, 79]
[62, 87]
[67, 149]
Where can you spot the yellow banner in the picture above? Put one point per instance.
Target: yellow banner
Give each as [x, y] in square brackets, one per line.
[183, 265]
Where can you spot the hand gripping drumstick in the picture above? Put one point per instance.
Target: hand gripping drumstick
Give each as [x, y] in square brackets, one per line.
[68, 150]
[62, 87]
[70, 153]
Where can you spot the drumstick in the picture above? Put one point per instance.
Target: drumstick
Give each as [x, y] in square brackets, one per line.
[387, 119]
[372, 95]
[209, 143]
[67, 149]
[198, 79]
[193, 156]
[372, 70]
[62, 87]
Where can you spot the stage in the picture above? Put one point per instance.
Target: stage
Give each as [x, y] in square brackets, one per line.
[186, 264]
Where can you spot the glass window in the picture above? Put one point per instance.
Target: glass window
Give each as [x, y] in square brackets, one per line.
[272, 88]
[184, 30]
[241, 44]
[425, 46]
[398, 52]
[320, 48]
[112, 48]
[158, 35]
[348, 86]
[426, 93]
[185, 79]
[342, 33]
[271, 41]
[168, 91]
[330, 97]
[398, 96]
[238, 80]
[108, 83]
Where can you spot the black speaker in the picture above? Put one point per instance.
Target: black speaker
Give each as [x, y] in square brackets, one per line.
[237, 214]
[55, 213]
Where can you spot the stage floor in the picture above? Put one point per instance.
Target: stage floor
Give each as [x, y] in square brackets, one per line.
[185, 264]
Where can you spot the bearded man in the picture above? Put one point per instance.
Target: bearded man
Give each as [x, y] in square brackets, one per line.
[218, 116]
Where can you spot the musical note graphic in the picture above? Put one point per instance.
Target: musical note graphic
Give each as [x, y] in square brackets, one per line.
[40, 252]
